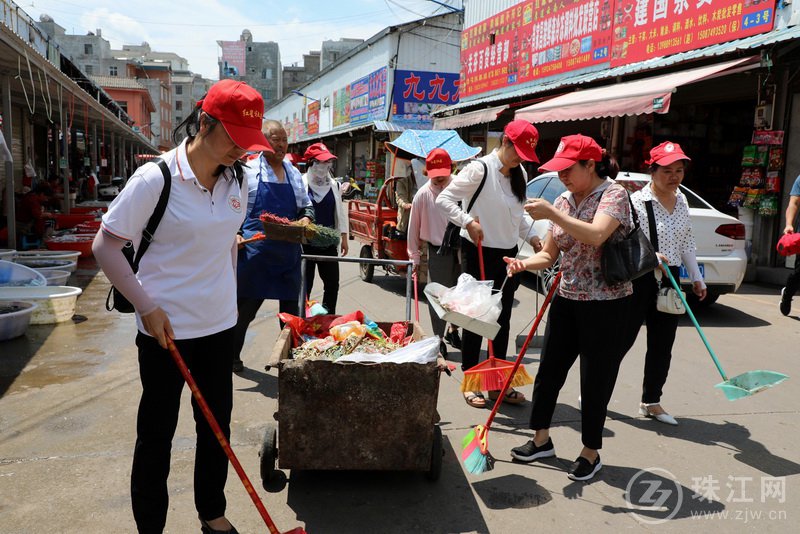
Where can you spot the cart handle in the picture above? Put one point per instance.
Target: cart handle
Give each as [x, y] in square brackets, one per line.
[301, 300]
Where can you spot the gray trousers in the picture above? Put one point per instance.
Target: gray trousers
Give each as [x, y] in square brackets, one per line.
[443, 270]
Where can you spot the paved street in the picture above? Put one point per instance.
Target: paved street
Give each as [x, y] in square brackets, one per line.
[68, 398]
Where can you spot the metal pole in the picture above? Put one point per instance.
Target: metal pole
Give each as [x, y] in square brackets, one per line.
[409, 272]
[11, 216]
[113, 155]
[301, 305]
[95, 147]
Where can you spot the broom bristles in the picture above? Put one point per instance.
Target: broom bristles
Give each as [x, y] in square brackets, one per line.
[475, 454]
[493, 379]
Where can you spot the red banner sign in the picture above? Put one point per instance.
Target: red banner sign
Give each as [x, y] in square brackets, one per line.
[312, 118]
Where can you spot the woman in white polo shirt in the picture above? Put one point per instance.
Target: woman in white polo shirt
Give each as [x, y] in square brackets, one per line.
[497, 220]
[185, 289]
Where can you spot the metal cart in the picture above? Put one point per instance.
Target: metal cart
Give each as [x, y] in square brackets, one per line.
[352, 416]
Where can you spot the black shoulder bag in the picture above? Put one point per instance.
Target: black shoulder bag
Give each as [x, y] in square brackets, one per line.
[451, 241]
[116, 300]
[630, 257]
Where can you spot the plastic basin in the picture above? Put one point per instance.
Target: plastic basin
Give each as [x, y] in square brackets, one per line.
[70, 220]
[56, 304]
[56, 278]
[49, 264]
[7, 254]
[17, 275]
[15, 316]
[44, 254]
[80, 243]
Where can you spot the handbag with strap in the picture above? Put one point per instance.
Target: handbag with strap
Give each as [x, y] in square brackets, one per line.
[630, 257]
[667, 298]
[451, 241]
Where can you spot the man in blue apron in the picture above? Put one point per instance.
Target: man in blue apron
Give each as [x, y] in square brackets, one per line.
[270, 269]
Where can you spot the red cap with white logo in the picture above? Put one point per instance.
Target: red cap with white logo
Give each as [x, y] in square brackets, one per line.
[525, 137]
[240, 109]
[438, 163]
[572, 149]
[319, 152]
[666, 153]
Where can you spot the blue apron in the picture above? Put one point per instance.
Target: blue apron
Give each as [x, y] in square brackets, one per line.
[270, 269]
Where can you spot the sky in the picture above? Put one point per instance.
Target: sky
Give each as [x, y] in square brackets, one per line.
[191, 29]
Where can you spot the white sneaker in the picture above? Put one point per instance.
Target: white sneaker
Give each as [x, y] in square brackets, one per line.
[644, 409]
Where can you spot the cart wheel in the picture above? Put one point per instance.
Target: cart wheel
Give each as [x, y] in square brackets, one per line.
[367, 269]
[437, 453]
[270, 477]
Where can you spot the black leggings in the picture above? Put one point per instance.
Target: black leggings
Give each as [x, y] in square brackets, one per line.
[328, 271]
[209, 360]
[495, 269]
[589, 329]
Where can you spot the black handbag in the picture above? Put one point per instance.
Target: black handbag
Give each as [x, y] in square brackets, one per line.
[451, 241]
[630, 257]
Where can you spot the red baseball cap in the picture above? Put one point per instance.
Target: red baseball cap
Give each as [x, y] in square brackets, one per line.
[666, 153]
[240, 109]
[438, 163]
[572, 149]
[525, 137]
[319, 152]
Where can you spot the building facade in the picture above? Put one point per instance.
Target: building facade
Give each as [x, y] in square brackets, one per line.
[295, 75]
[257, 63]
[333, 50]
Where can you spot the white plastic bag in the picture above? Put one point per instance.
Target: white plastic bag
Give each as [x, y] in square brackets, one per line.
[423, 351]
[473, 298]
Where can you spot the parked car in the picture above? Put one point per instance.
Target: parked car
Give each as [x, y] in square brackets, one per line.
[719, 237]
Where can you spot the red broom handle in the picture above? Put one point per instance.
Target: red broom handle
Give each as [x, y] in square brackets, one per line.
[528, 339]
[483, 277]
[212, 421]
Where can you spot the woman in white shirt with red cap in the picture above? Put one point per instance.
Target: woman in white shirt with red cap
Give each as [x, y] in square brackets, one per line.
[586, 312]
[671, 229]
[330, 211]
[185, 290]
[497, 221]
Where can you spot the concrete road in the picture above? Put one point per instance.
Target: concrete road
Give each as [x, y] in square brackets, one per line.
[69, 396]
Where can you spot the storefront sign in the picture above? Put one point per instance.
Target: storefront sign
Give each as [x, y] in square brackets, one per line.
[233, 58]
[359, 101]
[312, 118]
[418, 93]
[377, 94]
[652, 28]
[341, 107]
[537, 39]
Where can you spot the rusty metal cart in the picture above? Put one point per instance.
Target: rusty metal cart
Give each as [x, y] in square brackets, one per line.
[352, 416]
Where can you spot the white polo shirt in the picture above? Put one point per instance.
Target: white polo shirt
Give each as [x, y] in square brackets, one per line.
[188, 269]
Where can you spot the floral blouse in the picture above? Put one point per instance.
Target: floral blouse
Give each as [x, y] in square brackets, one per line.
[581, 277]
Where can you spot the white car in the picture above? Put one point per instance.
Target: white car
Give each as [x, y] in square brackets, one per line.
[719, 237]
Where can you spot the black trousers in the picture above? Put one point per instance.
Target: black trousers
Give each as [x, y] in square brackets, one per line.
[589, 329]
[495, 269]
[209, 360]
[442, 270]
[248, 308]
[661, 330]
[328, 271]
[793, 280]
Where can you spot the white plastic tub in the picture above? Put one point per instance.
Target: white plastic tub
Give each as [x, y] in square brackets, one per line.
[49, 264]
[15, 316]
[41, 254]
[56, 304]
[56, 278]
[17, 275]
[7, 254]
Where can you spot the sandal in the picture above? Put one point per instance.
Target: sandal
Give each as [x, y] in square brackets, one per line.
[475, 399]
[512, 397]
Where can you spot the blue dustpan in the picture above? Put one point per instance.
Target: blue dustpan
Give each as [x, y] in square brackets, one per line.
[739, 386]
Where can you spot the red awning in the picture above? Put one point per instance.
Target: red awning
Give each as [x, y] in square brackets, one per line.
[461, 120]
[650, 95]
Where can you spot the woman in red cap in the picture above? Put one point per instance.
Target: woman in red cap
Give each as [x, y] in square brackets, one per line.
[670, 231]
[185, 289]
[495, 187]
[585, 314]
[330, 211]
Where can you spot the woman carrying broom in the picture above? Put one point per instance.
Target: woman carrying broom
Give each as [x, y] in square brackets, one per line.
[585, 314]
[496, 222]
[185, 289]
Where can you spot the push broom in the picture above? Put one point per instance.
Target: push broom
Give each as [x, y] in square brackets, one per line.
[739, 386]
[475, 445]
[212, 422]
[490, 374]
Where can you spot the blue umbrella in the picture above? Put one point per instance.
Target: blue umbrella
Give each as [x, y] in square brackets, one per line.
[418, 143]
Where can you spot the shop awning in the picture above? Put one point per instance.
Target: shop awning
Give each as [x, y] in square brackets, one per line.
[650, 95]
[462, 120]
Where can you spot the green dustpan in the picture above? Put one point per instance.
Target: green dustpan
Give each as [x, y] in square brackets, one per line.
[739, 386]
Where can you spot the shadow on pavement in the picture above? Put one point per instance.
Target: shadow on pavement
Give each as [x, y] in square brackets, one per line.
[720, 315]
[511, 492]
[263, 382]
[731, 436]
[386, 502]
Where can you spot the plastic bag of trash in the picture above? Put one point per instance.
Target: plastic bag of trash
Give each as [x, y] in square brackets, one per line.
[423, 351]
[473, 298]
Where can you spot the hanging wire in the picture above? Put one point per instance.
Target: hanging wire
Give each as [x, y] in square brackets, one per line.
[31, 107]
[48, 102]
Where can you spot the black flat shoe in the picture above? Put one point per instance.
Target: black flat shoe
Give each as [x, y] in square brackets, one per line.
[453, 339]
[206, 529]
